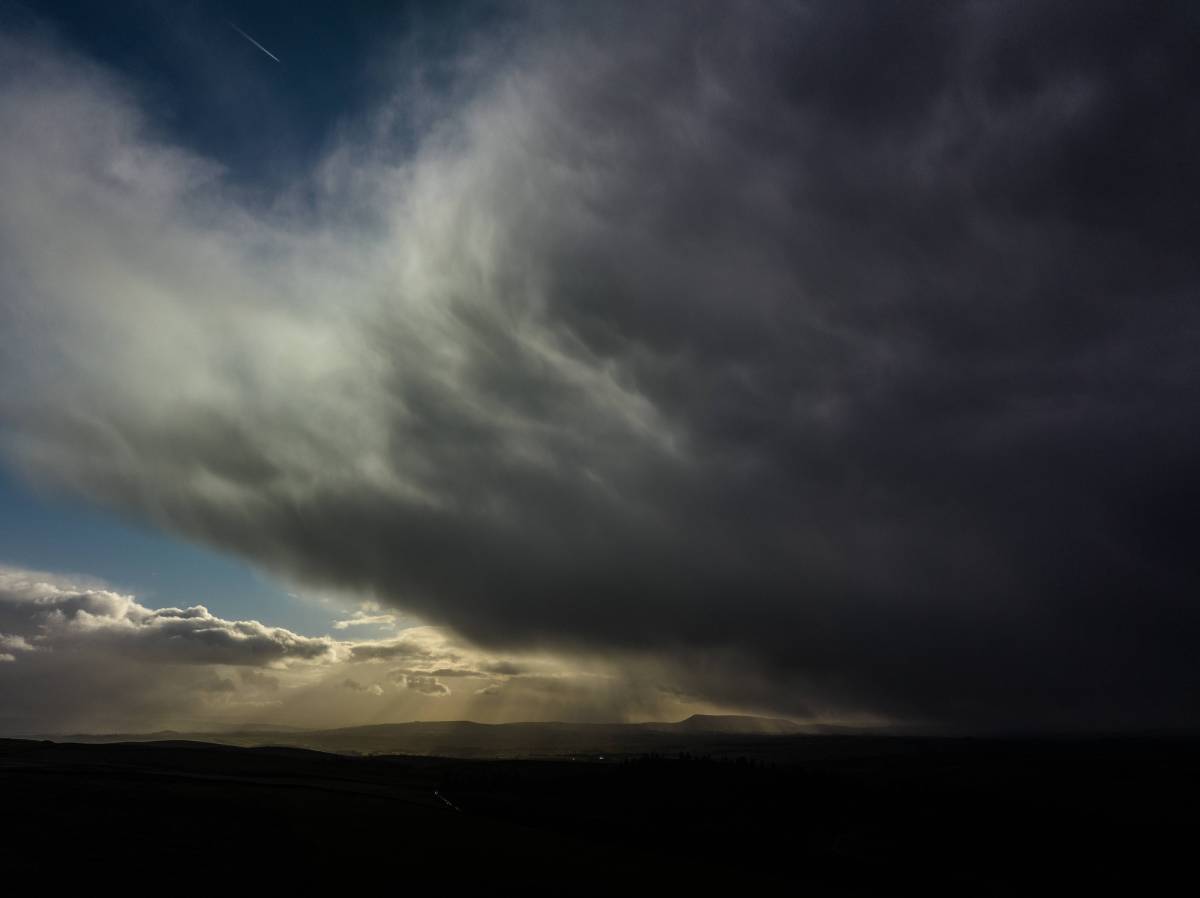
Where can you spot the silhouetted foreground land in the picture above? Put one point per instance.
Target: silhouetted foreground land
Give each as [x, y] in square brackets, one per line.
[826, 815]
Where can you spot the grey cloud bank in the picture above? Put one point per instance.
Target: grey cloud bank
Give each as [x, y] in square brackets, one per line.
[842, 354]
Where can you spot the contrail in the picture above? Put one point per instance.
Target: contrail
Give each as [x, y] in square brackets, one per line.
[252, 40]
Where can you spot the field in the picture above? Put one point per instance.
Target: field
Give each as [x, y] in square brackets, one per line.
[823, 814]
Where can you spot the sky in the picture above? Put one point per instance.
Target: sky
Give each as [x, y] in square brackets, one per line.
[622, 361]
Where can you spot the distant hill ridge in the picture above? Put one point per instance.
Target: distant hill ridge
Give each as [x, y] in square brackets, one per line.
[738, 723]
[466, 738]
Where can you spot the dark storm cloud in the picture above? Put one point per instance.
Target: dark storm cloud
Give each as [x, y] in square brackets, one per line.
[853, 344]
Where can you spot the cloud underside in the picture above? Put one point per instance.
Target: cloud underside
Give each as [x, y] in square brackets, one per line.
[855, 340]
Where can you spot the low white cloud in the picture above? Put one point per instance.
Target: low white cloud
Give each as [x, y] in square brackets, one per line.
[45, 611]
[355, 686]
[76, 655]
[424, 644]
[10, 644]
[363, 619]
[426, 685]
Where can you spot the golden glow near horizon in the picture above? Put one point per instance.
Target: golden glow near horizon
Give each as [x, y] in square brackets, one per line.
[173, 668]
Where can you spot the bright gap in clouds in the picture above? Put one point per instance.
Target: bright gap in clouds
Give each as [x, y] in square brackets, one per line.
[79, 657]
[42, 530]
